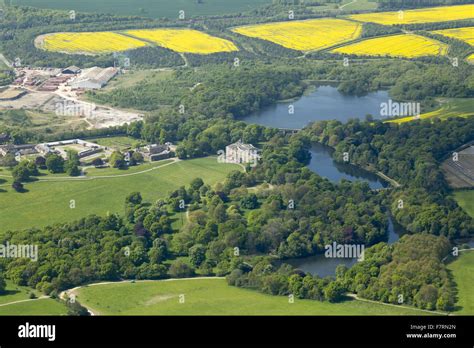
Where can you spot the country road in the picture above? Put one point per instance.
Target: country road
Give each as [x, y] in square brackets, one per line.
[89, 178]
[349, 3]
[21, 301]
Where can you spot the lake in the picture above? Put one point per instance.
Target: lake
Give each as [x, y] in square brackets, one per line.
[323, 266]
[322, 164]
[325, 103]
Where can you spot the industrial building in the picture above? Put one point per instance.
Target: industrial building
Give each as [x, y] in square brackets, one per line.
[71, 70]
[93, 78]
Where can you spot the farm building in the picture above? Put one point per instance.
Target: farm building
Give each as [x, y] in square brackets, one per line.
[83, 148]
[17, 150]
[71, 70]
[53, 83]
[155, 152]
[241, 153]
[94, 78]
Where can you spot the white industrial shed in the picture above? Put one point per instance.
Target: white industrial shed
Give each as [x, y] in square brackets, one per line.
[93, 78]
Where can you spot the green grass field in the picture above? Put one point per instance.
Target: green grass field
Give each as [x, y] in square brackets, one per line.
[466, 200]
[119, 143]
[212, 297]
[149, 8]
[450, 107]
[463, 272]
[351, 5]
[47, 202]
[135, 77]
[35, 307]
[16, 293]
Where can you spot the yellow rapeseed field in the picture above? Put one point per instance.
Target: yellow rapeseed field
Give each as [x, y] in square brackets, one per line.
[403, 45]
[426, 15]
[465, 34]
[185, 40]
[90, 42]
[305, 35]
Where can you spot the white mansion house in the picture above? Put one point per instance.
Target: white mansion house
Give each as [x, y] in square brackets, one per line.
[241, 153]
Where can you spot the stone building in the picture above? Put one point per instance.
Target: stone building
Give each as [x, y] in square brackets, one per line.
[241, 153]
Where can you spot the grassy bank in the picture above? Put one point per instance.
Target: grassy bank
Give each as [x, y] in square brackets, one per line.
[48, 202]
[463, 273]
[212, 297]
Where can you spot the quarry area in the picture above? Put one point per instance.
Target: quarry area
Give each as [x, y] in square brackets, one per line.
[61, 92]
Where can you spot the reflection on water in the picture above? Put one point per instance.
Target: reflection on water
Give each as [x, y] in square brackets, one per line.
[323, 266]
[320, 265]
[325, 103]
[323, 165]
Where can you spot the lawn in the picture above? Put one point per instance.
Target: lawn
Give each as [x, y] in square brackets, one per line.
[118, 143]
[466, 200]
[16, 293]
[36, 307]
[48, 202]
[102, 172]
[150, 8]
[212, 297]
[463, 272]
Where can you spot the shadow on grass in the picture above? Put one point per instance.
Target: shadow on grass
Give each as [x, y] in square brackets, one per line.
[9, 292]
[456, 307]
[21, 190]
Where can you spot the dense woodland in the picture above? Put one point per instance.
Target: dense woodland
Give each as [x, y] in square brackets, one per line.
[292, 213]
[225, 90]
[411, 154]
[222, 218]
[386, 274]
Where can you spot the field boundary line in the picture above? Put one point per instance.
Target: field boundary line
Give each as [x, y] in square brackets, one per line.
[357, 298]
